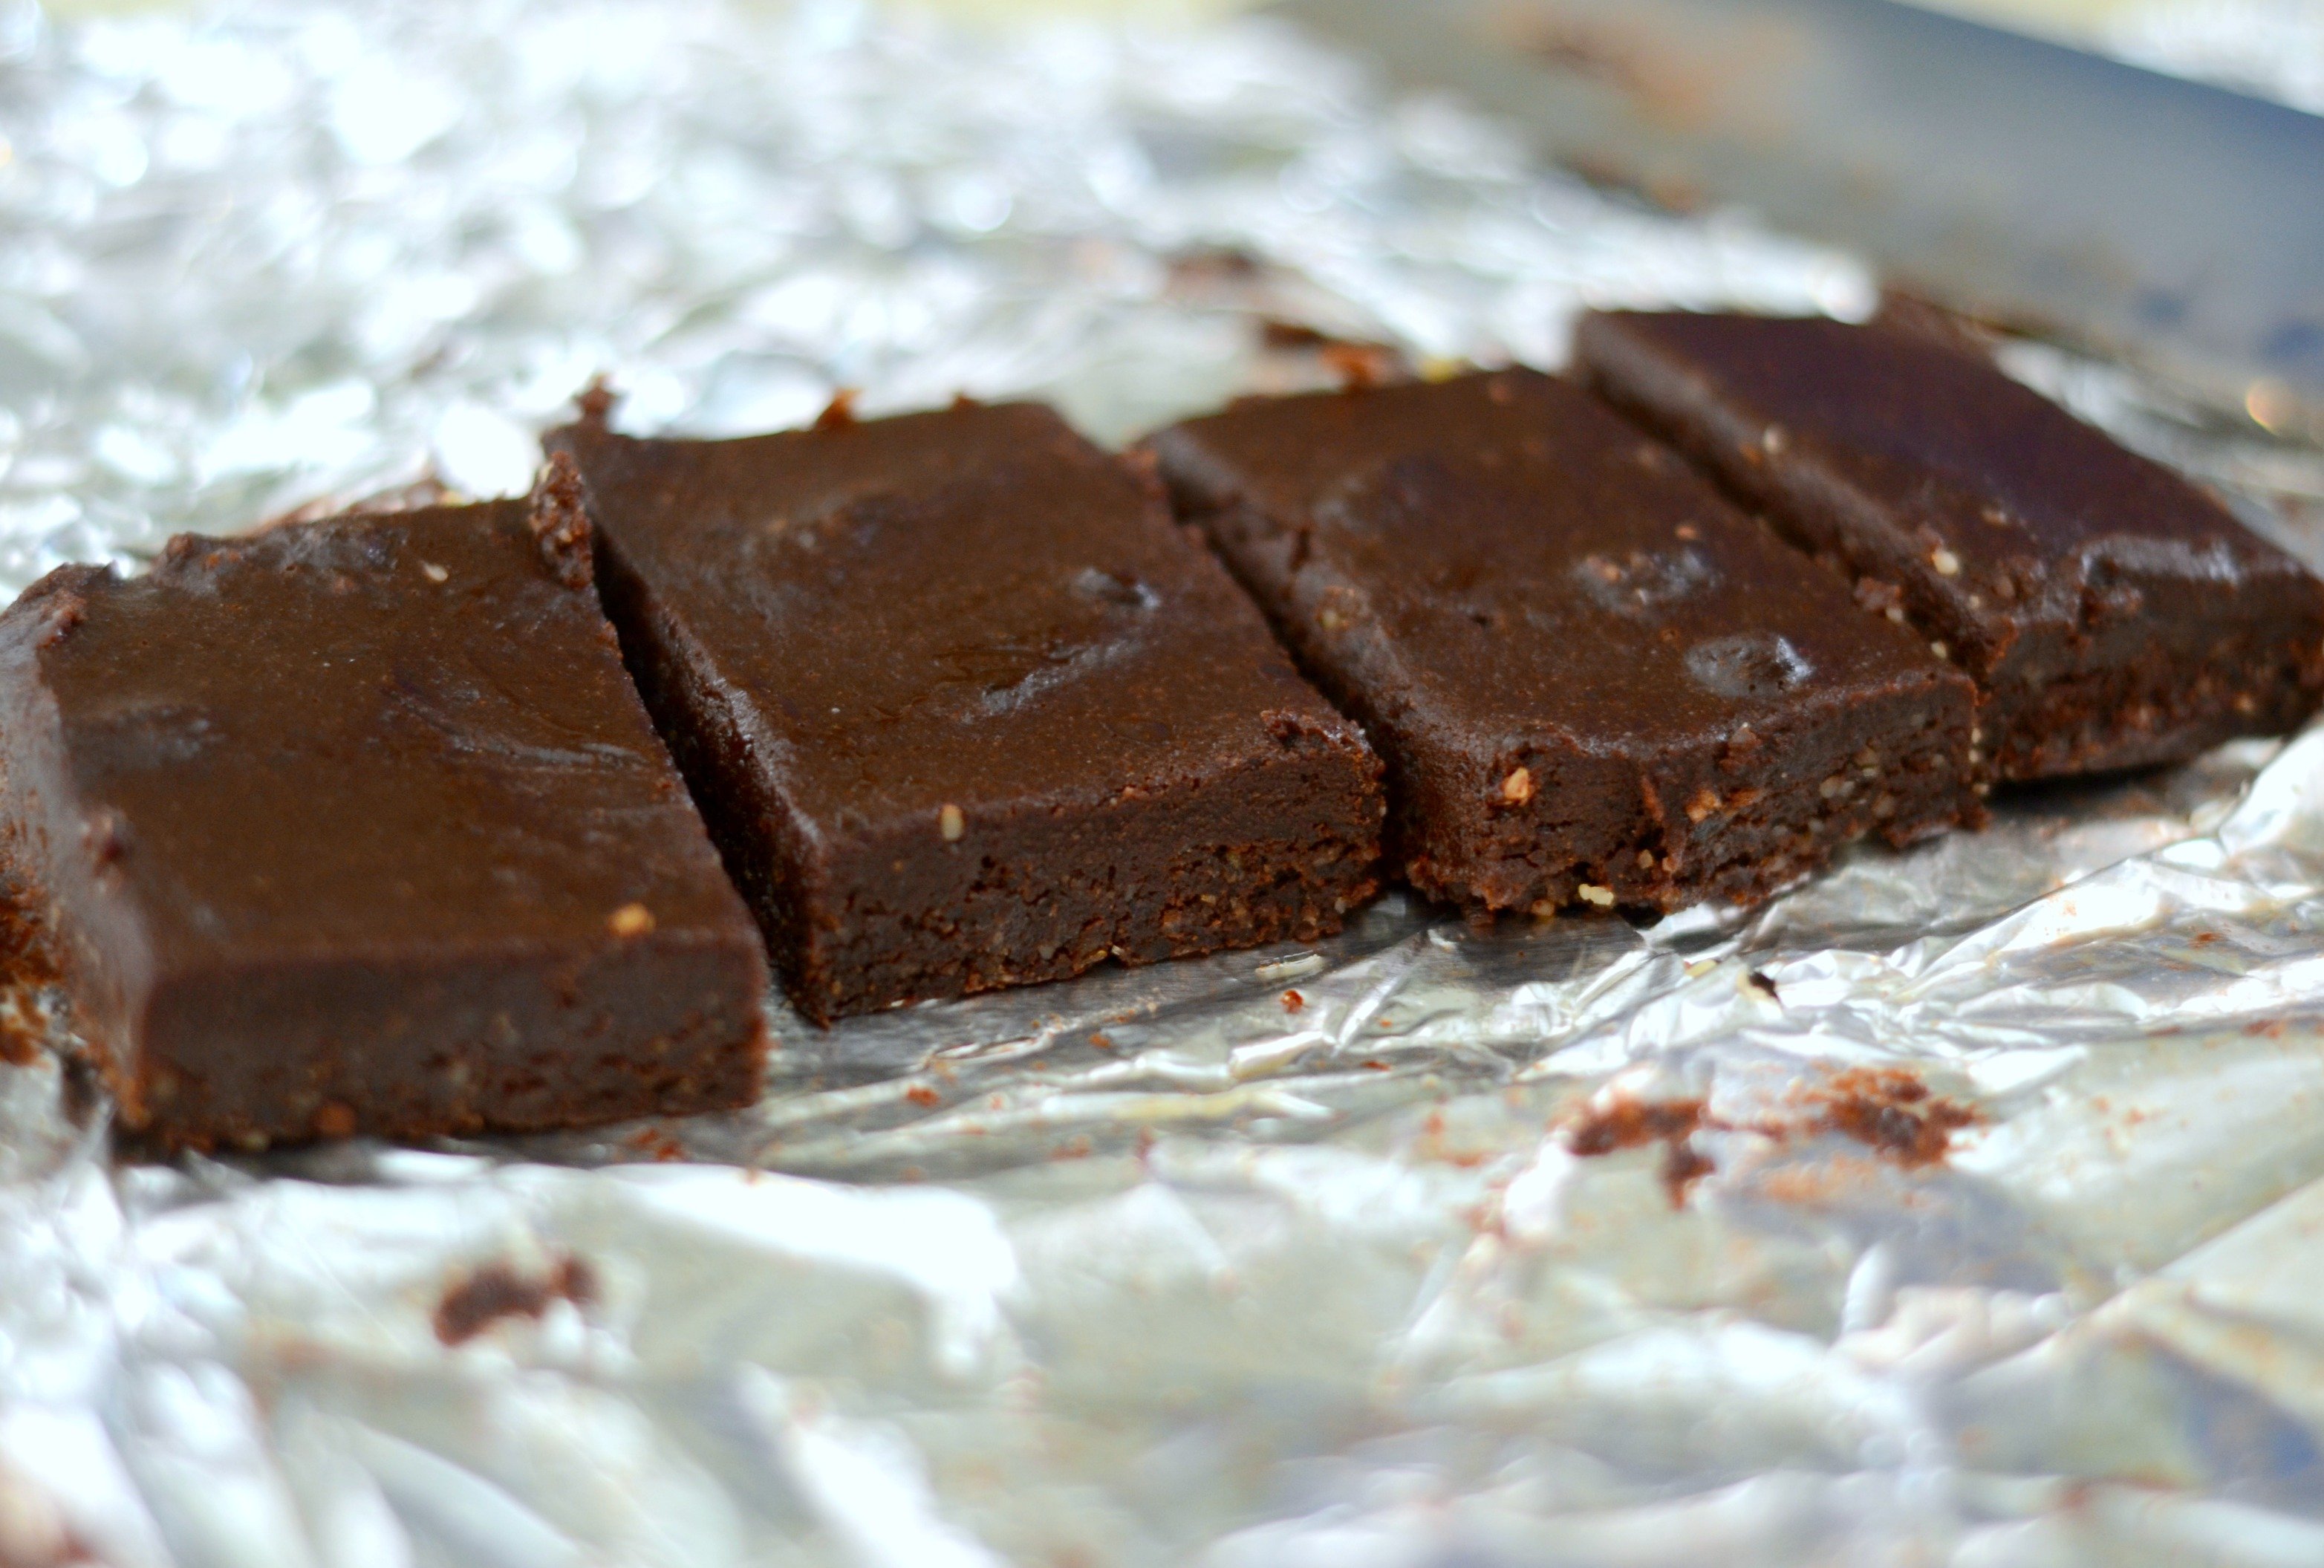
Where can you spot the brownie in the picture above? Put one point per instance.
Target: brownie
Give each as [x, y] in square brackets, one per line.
[356, 826]
[2112, 613]
[1590, 677]
[965, 708]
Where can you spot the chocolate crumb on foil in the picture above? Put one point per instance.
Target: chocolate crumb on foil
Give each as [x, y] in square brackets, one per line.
[497, 1291]
[1629, 1123]
[1891, 1111]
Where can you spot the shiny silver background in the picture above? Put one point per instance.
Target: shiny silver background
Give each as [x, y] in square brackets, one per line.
[1153, 1268]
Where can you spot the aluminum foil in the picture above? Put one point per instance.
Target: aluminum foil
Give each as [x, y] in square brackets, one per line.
[1961, 1206]
[2270, 49]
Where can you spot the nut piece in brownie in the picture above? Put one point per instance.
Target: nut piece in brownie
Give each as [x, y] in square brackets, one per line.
[1590, 677]
[357, 826]
[965, 708]
[2113, 615]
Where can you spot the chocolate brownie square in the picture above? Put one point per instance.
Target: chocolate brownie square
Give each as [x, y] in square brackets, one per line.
[965, 708]
[357, 826]
[2113, 615]
[1590, 677]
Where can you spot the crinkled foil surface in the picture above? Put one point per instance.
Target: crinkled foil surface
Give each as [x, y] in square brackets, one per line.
[1964, 1206]
[2270, 49]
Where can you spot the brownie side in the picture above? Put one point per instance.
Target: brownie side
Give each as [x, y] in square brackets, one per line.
[1418, 549]
[964, 709]
[1278, 848]
[413, 1047]
[772, 854]
[2113, 615]
[356, 827]
[56, 849]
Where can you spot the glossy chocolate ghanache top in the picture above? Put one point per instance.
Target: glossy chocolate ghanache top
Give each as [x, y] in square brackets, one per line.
[971, 607]
[2002, 512]
[1506, 554]
[376, 734]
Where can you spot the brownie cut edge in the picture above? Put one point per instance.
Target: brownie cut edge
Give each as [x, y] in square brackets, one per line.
[356, 827]
[2113, 613]
[1592, 680]
[964, 708]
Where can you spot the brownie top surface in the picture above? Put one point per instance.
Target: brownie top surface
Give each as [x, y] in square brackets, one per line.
[2033, 504]
[380, 735]
[1506, 553]
[973, 606]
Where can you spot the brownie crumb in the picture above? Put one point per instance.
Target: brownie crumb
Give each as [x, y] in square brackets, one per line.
[25, 958]
[840, 411]
[1891, 1111]
[27, 964]
[597, 401]
[497, 1291]
[67, 608]
[1627, 1123]
[1683, 1167]
[19, 1048]
[1360, 366]
[561, 522]
[1888, 1110]
[1632, 1123]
